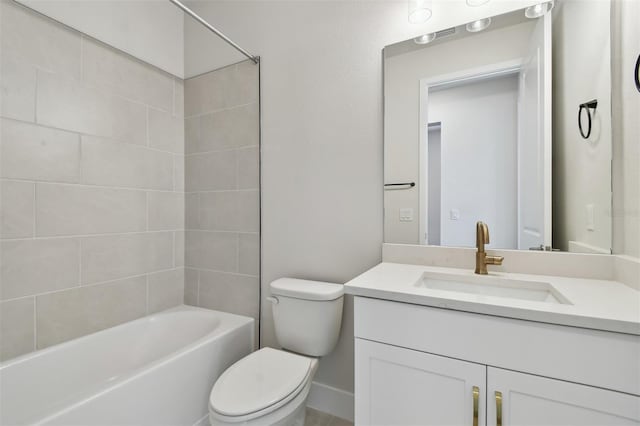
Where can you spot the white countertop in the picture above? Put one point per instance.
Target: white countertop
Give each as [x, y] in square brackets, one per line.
[595, 304]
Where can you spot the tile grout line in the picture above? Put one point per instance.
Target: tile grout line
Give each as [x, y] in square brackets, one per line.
[88, 185]
[106, 234]
[95, 284]
[111, 139]
[221, 150]
[218, 110]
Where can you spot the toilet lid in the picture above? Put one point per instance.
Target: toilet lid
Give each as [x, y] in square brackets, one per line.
[259, 380]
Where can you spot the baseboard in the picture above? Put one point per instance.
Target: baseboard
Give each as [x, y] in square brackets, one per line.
[331, 400]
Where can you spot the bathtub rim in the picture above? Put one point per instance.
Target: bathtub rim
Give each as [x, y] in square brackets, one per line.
[102, 388]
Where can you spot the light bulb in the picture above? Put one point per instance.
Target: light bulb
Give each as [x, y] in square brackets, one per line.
[419, 11]
[475, 3]
[424, 39]
[479, 25]
[538, 10]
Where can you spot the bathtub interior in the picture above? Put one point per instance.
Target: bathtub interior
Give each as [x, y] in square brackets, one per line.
[40, 383]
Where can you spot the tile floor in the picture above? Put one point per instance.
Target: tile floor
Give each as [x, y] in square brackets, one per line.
[318, 418]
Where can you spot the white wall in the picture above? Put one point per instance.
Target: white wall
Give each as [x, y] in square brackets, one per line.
[402, 100]
[581, 168]
[626, 110]
[479, 168]
[149, 30]
[321, 96]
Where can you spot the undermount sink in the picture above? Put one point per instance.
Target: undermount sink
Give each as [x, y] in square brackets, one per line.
[486, 285]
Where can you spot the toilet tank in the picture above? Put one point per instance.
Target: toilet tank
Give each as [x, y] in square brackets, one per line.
[307, 315]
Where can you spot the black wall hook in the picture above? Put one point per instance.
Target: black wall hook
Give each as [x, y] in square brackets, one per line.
[636, 74]
[588, 106]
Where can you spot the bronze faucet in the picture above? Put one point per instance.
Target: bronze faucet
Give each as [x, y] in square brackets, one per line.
[482, 259]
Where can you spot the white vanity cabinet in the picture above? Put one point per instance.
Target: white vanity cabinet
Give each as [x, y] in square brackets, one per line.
[524, 399]
[398, 386]
[420, 365]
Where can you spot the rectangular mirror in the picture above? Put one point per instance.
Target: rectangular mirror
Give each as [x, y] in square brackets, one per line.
[506, 120]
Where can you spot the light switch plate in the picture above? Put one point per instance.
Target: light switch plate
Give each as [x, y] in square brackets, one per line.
[454, 214]
[406, 215]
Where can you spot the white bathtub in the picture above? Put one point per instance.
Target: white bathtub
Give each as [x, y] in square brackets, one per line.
[157, 370]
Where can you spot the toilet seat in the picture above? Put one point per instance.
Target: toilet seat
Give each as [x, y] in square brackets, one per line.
[259, 384]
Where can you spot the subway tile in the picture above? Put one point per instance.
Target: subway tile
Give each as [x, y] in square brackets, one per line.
[249, 254]
[229, 211]
[109, 257]
[166, 290]
[16, 327]
[126, 76]
[245, 84]
[192, 210]
[109, 163]
[191, 287]
[219, 211]
[16, 209]
[229, 128]
[178, 249]
[209, 172]
[212, 250]
[68, 314]
[178, 97]
[178, 173]
[237, 294]
[38, 40]
[166, 132]
[39, 153]
[192, 135]
[18, 89]
[203, 93]
[248, 211]
[31, 267]
[248, 168]
[67, 104]
[166, 210]
[75, 210]
[224, 88]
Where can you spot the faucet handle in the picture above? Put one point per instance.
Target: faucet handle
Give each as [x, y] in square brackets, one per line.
[494, 260]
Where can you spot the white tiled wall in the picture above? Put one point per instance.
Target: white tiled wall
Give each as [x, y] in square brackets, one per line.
[92, 186]
[222, 200]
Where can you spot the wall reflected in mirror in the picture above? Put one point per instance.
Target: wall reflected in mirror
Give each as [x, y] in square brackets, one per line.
[482, 123]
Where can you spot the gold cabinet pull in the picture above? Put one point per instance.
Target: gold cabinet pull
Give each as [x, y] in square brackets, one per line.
[476, 404]
[498, 408]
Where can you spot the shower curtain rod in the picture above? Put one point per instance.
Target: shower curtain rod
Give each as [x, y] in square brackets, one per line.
[214, 30]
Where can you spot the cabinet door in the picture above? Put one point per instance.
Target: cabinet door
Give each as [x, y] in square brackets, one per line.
[397, 386]
[533, 400]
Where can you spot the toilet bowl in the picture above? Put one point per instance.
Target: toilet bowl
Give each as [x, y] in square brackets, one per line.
[271, 386]
[268, 387]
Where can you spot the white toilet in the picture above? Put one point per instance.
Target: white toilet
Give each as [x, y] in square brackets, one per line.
[270, 386]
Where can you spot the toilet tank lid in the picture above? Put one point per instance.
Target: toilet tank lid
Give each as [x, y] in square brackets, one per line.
[306, 290]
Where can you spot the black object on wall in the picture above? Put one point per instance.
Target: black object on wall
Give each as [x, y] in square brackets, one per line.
[636, 74]
[587, 106]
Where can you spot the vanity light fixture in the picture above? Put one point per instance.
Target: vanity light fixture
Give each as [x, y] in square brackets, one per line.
[425, 38]
[479, 25]
[420, 11]
[475, 3]
[538, 10]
